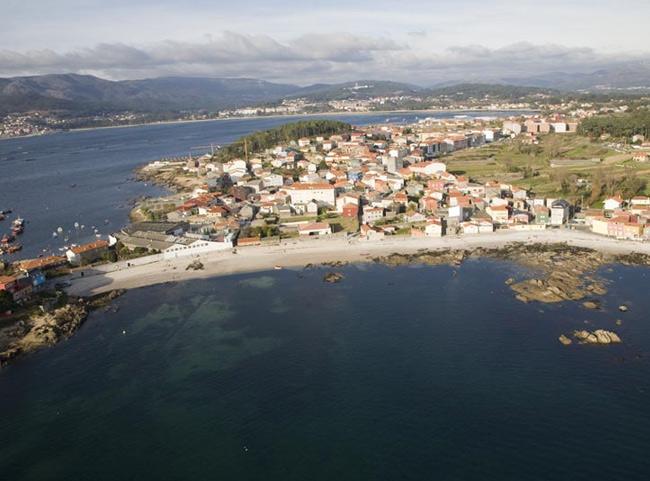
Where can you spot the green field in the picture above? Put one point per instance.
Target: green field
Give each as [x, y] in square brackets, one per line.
[529, 166]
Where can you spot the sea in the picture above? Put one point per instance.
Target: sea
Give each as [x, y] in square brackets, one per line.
[395, 373]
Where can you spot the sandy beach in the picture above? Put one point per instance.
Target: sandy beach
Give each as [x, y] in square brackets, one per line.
[299, 253]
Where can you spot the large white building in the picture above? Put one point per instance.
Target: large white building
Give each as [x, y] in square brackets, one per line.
[304, 193]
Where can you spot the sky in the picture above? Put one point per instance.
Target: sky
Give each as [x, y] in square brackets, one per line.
[416, 41]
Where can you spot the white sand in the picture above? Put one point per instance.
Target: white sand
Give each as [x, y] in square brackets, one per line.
[299, 253]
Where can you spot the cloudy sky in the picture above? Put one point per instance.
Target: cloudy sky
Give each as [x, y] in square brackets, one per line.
[417, 41]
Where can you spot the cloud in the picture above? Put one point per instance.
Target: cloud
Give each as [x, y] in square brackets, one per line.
[306, 59]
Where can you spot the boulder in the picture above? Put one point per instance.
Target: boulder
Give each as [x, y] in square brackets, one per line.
[622, 308]
[590, 304]
[565, 340]
[333, 277]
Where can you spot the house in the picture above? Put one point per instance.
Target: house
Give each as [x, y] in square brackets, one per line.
[350, 210]
[612, 203]
[485, 226]
[368, 233]
[42, 264]
[434, 228]
[87, 253]
[469, 227]
[640, 157]
[8, 284]
[315, 228]
[640, 200]
[542, 214]
[498, 213]
[413, 217]
[560, 210]
[371, 215]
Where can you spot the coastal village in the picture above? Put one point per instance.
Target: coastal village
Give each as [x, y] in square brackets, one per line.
[363, 185]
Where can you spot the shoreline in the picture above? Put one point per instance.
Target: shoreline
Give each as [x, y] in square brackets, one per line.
[300, 253]
[289, 116]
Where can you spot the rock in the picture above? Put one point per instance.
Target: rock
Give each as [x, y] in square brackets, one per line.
[335, 264]
[581, 335]
[521, 298]
[622, 308]
[590, 305]
[196, 265]
[599, 336]
[613, 337]
[602, 337]
[565, 340]
[510, 281]
[618, 322]
[333, 277]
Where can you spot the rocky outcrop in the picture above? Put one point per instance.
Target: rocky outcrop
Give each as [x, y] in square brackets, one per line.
[599, 336]
[335, 264]
[195, 265]
[47, 329]
[333, 277]
[622, 308]
[565, 340]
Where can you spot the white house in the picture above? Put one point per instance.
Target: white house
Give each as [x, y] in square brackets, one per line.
[434, 228]
[560, 212]
[315, 228]
[612, 203]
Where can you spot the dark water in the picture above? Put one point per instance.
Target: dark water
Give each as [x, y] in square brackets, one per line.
[395, 373]
[37, 180]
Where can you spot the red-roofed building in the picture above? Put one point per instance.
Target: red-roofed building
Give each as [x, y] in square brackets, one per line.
[87, 253]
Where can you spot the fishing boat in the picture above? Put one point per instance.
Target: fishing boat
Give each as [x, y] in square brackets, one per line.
[278, 268]
[55, 235]
[7, 238]
[19, 222]
[17, 230]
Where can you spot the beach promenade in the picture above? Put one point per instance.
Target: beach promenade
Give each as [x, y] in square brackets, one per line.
[294, 253]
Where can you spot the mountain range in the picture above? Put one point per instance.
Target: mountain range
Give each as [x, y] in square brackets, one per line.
[85, 94]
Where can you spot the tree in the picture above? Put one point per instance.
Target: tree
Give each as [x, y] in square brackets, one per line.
[6, 301]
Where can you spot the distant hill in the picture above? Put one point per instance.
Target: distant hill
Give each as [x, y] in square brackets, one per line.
[504, 92]
[626, 77]
[85, 92]
[361, 89]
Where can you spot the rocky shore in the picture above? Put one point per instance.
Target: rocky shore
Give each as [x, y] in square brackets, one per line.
[559, 272]
[46, 329]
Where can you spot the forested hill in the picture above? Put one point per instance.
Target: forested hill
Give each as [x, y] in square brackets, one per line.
[266, 139]
[618, 125]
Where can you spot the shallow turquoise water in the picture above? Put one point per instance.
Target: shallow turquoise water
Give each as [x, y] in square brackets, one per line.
[395, 373]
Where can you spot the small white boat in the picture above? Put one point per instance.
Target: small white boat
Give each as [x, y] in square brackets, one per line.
[76, 225]
[277, 268]
[59, 230]
[55, 235]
